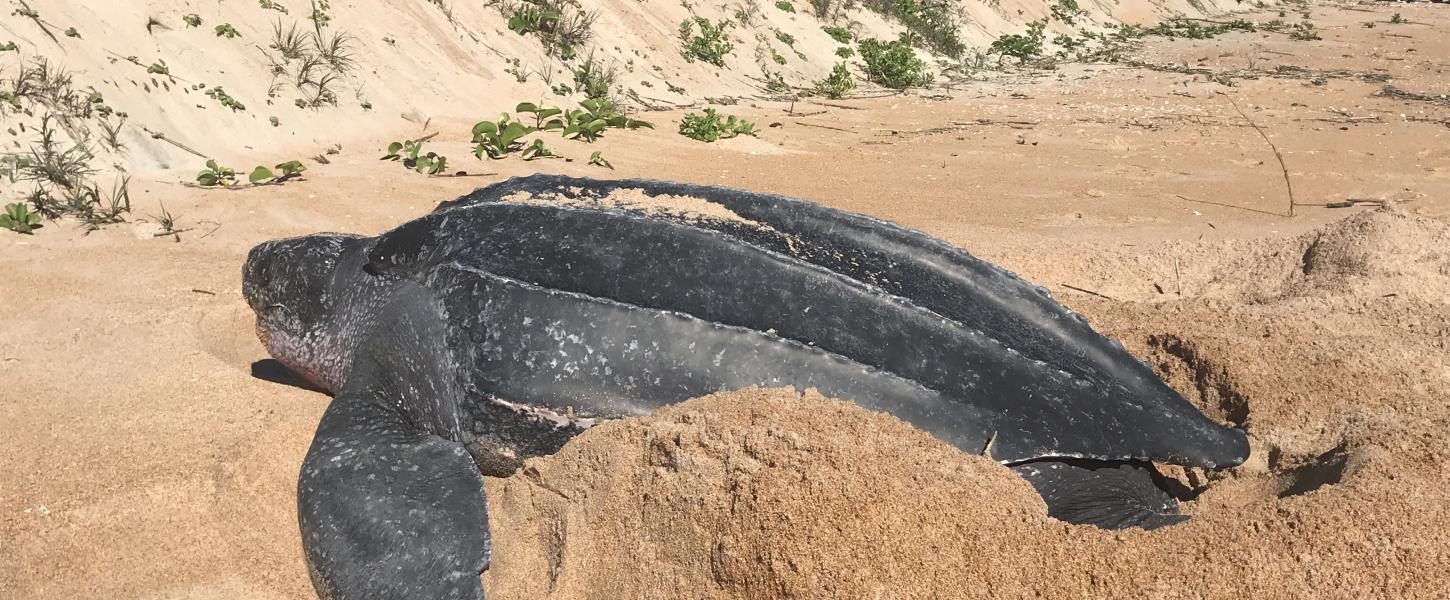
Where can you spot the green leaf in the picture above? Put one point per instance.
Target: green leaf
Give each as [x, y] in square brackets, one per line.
[206, 178]
[513, 133]
[211, 164]
[526, 107]
[597, 158]
[291, 167]
[260, 174]
[484, 127]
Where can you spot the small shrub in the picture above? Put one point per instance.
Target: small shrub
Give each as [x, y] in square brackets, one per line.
[1066, 11]
[192, 20]
[1021, 46]
[227, 31]
[845, 52]
[560, 25]
[840, 34]
[159, 68]
[593, 79]
[1304, 32]
[933, 24]
[408, 151]
[271, 5]
[893, 64]
[785, 38]
[18, 218]
[711, 45]
[1396, 19]
[711, 127]
[838, 83]
[774, 82]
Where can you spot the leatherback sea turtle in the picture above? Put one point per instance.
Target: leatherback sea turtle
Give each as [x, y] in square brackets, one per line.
[506, 321]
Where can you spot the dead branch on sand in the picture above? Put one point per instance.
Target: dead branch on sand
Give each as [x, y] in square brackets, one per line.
[1287, 184]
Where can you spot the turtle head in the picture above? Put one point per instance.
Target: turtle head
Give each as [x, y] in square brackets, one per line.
[313, 299]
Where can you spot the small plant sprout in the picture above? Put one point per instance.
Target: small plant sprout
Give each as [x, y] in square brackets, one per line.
[408, 151]
[785, 6]
[498, 138]
[274, 121]
[1397, 19]
[597, 115]
[291, 169]
[711, 127]
[227, 31]
[167, 222]
[215, 174]
[544, 116]
[18, 218]
[72, 33]
[192, 20]
[220, 95]
[159, 68]
[537, 150]
[390, 41]
[270, 5]
[597, 159]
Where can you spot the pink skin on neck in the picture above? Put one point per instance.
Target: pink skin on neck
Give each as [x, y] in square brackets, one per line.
[297, 355]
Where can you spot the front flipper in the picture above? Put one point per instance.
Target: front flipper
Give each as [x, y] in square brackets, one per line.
[389, 501]
[1111, 495]
[387, 512]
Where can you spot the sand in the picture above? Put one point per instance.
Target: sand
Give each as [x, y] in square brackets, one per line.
[151, 451]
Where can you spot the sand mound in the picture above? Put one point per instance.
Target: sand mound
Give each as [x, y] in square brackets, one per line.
[755, 494]
[1385, 251]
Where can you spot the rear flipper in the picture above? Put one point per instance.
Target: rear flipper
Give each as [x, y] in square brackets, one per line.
[1110, 495]
[388, 512]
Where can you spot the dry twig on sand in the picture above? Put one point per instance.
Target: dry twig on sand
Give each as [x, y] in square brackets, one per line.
[1287, 184]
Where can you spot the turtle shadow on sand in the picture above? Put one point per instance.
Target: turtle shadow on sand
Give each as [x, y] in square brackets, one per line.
[272, 370]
